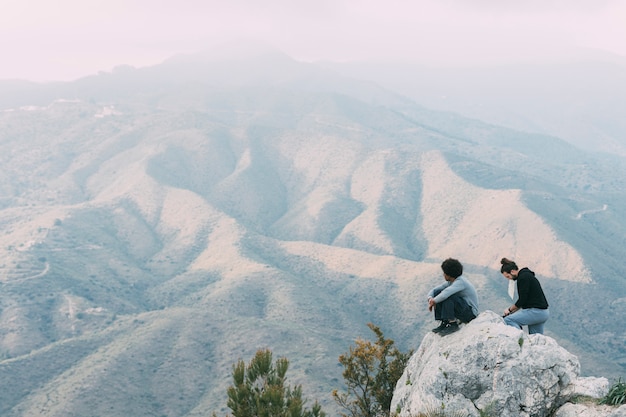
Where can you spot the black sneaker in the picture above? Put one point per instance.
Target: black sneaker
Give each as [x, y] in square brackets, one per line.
[440, 327]
[450, 328]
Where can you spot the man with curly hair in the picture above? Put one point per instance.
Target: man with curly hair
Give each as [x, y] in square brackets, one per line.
[453, 301]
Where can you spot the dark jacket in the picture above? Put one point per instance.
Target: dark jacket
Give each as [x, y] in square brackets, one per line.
[529, 291]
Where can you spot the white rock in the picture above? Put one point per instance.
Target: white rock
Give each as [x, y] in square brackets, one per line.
[590, 410]
[589, 387]
[487, 366]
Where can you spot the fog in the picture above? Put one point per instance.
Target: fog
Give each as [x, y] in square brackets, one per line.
[68, 39]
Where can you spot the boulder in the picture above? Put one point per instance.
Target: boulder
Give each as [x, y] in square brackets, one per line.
[591, 387]
[590, 410]
[487, 368]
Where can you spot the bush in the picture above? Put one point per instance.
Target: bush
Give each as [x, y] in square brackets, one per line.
[371, 372]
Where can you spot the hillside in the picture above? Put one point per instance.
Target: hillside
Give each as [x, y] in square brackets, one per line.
[158, 224]
[579, 98]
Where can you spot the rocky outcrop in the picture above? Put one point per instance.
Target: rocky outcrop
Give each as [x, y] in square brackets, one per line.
[590, 410]
[489, 368]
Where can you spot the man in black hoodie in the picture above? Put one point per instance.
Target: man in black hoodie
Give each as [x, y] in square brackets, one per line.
[531, 307]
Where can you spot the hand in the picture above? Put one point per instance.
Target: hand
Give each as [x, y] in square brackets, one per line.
[431, 304]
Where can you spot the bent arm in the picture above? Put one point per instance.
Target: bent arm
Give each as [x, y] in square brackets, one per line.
[456, 286]
[437, 289]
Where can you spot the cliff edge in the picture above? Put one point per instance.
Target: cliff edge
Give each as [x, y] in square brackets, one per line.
[489, 368]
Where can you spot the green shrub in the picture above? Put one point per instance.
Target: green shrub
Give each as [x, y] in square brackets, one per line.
[371, 371]
[259, 389]
[616, 394]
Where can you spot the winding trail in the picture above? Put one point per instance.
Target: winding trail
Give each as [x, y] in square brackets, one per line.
[585, 212]
[39, 274]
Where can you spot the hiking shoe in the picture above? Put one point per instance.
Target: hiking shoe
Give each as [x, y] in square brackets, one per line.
[450, 328]
[440, 327]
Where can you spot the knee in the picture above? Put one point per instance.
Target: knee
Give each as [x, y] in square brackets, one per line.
[509, 322]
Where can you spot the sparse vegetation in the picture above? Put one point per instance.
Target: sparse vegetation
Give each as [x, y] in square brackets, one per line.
[442, 412]
[488, 411]
[222, 218]
[583, 399]
[371, 373]
[616, 394]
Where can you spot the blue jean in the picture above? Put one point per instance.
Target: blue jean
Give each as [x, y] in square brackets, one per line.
[534, 318]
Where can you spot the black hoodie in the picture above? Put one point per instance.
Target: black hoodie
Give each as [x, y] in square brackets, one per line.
[529, 290]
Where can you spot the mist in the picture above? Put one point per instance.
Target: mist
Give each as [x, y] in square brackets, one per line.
[71, 39]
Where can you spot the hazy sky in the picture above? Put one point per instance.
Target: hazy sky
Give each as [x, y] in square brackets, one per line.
[65, 39]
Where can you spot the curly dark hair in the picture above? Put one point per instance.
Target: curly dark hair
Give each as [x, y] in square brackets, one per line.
[452, 268]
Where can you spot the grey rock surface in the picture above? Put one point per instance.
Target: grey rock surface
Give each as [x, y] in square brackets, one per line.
[490, 367]
[590, 410]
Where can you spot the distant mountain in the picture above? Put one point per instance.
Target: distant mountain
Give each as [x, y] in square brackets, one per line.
[158, 224]
[579, 97]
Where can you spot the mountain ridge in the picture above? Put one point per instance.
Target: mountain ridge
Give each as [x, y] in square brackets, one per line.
[179, 230]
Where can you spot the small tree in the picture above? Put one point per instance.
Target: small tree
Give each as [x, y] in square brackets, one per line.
[371, 372]
[259, 390]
